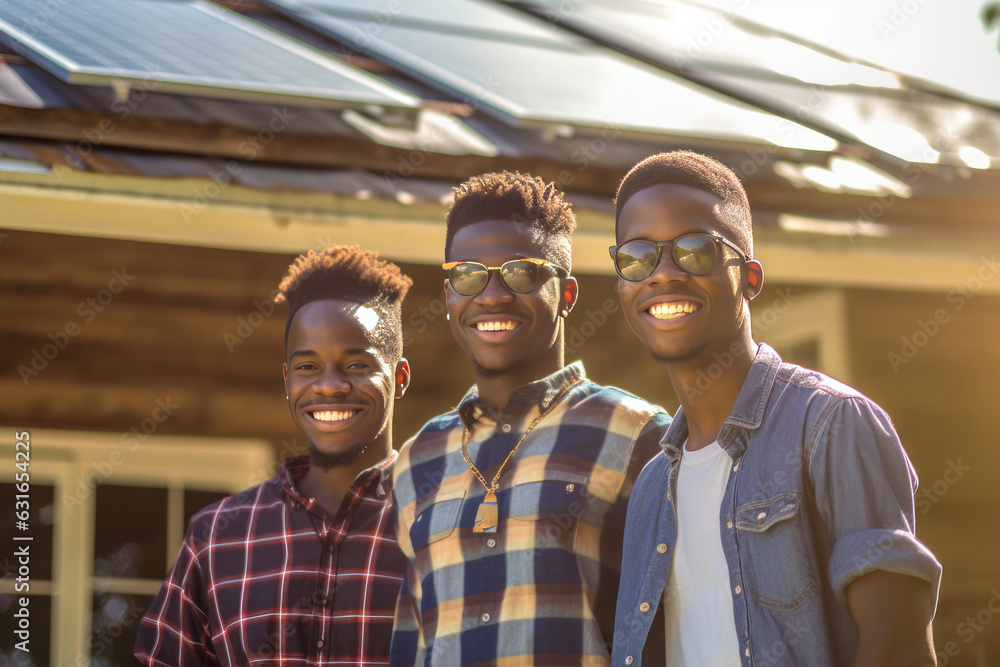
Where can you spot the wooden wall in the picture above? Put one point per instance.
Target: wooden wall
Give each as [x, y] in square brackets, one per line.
[195, 326]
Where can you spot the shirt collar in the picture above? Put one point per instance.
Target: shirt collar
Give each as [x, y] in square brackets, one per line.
[374, 481]
[747, 412]
[541, 393]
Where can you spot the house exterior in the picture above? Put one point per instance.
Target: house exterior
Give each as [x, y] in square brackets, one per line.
[146, 219]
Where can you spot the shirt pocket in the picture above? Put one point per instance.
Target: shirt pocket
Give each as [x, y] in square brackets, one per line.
[435, 517]
[553, 500]
[782, 562]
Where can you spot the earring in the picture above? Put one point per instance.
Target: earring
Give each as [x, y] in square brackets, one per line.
[447, 316]
[286, 398]
[564, 313]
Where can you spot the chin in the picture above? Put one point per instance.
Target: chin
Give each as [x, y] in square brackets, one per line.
[327, 460]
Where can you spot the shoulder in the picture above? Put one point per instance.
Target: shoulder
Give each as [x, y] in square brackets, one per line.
[230, 515]
[619, 401]
[816, 393]
[429, 442]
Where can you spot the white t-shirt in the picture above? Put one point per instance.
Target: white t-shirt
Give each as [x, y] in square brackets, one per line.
[697, 602]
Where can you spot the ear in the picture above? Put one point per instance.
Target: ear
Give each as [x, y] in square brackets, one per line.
[284, 377]
[755, 279]
[570, 293]
[402, 377]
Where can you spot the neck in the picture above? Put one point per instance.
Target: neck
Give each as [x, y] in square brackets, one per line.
[708, 385]
[329, 487]
[495, 388]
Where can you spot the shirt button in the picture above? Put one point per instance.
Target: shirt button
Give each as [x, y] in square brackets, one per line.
[491, 543]
[505, 428]
[746, 651]
[738, 589]
[736, 467]
[644, 607]
[485, 618]
[319, 644]
[729, 524]
[628, 660]
[662, 548]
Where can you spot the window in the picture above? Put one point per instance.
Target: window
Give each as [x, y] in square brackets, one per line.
[106, 519]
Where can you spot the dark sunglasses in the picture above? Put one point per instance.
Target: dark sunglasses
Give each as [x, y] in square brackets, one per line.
[697, 254]
[518, 275]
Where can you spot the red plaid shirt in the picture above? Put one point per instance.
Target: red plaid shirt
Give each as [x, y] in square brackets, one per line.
[268, 576]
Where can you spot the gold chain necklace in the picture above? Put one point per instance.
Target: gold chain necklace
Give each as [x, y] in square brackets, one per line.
[488, 514]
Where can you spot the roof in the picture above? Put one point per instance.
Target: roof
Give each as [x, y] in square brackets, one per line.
[827, 145]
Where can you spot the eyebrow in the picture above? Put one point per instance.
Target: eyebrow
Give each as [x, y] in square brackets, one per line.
[370, 351]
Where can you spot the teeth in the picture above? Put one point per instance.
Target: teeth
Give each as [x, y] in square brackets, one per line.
[666, 311]
[495, 326]
[333, 415]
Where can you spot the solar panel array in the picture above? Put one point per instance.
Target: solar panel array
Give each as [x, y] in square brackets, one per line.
[184, 46]
[848, 100]
[527, 72]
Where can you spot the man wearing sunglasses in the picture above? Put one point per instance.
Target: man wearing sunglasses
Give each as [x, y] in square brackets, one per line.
[777, 528]
[511, 506]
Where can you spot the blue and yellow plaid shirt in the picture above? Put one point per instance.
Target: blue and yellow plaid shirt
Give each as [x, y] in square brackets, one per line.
[540, 590]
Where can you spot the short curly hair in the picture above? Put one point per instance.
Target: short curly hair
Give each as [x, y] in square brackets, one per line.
[510, 195]
[698, 171]
[351, 274]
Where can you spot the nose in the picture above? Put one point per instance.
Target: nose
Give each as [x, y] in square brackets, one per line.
[331, 383]
[495, 291]
[666, 269]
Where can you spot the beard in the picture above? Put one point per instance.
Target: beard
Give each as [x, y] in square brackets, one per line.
[327, 462]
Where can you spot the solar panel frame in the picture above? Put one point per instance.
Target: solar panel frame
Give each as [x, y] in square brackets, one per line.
[322, 81]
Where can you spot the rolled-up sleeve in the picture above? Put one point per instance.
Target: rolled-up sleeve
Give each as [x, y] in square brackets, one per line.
[864, 486]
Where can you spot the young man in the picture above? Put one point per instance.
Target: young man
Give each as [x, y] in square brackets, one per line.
[304, 568]
[511, 506]
[777, 529]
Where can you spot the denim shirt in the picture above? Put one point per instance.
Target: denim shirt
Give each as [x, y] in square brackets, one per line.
[820, 492]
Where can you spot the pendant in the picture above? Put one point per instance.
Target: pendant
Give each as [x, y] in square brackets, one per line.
[487, 516]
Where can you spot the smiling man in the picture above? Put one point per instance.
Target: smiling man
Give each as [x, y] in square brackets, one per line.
[778, 526]
[304, 568]
[511, 506]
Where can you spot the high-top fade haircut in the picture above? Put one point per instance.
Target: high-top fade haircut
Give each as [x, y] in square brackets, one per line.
[349, 273]
[521, 198]
[698, 171]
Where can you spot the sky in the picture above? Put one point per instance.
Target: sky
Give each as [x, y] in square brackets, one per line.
[940, 40]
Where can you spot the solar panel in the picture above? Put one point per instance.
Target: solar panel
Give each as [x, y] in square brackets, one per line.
[847, 100]
[184, 46]
[543, 78]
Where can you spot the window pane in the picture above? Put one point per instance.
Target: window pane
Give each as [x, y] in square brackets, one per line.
[130, 535]
[195, 500]
[40, 617]
[116, 623]
[39, 522]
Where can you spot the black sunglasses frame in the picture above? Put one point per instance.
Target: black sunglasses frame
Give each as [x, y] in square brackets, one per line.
[448, 266]
[716, 238]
